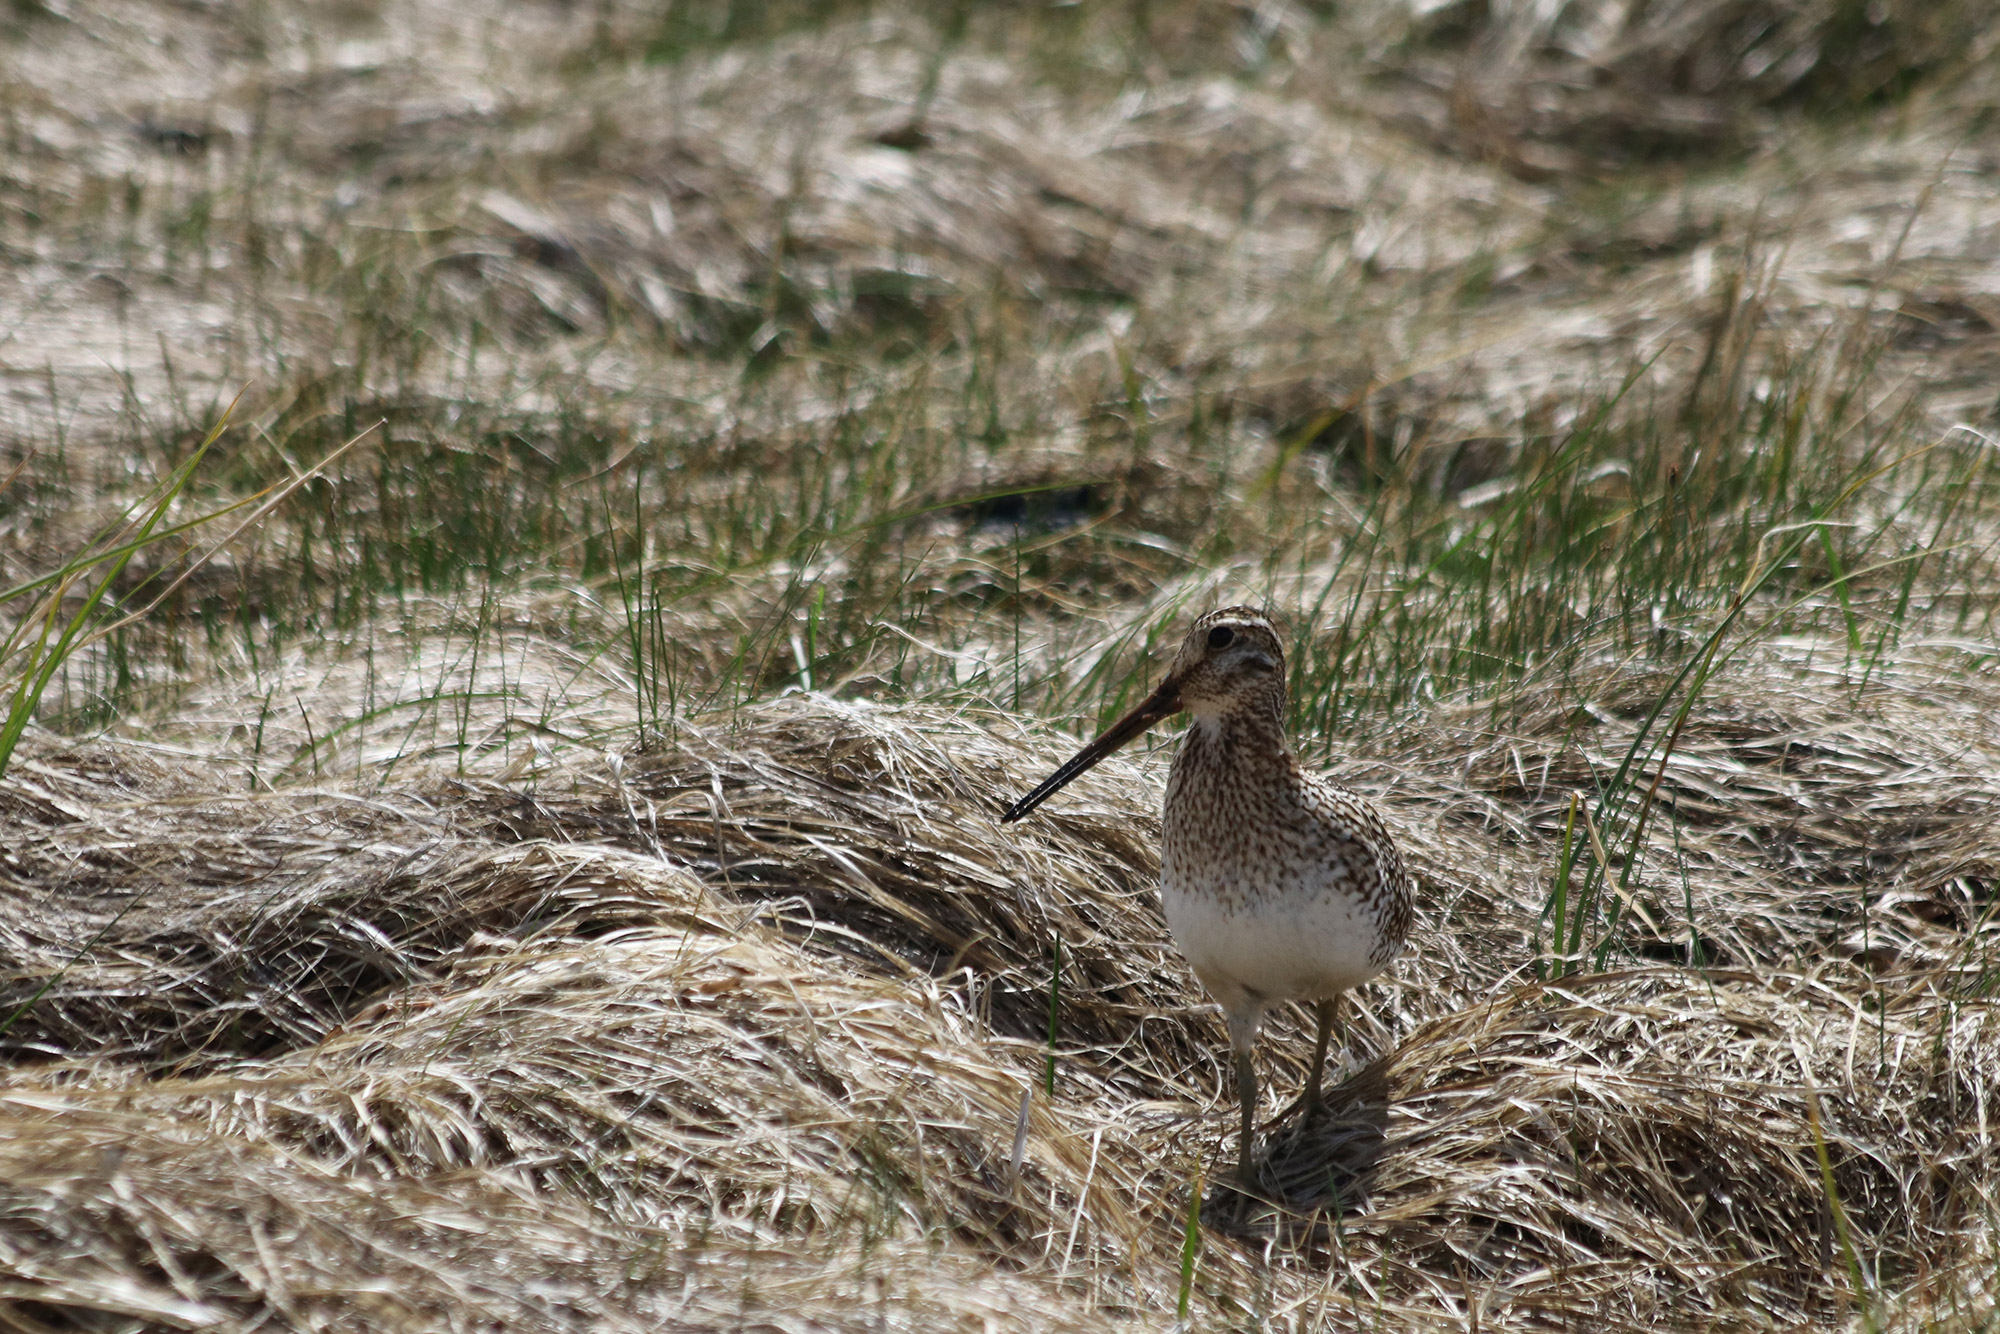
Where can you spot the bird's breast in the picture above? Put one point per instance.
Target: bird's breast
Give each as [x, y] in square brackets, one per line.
[1269, 891]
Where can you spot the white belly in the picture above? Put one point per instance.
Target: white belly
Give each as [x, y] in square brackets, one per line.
[1276, 887]
[1295, 946]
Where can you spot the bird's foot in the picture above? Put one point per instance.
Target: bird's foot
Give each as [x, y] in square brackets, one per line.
[1239, 1192]
[1308, 1106]
[1241, 1200]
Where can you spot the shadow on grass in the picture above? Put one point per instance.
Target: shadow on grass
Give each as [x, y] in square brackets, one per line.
[1314, 1169]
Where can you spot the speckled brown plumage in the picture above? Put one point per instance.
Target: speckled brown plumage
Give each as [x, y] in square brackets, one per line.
[1277, 884]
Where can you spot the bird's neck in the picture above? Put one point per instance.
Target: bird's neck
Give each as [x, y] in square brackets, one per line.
[1239, 729]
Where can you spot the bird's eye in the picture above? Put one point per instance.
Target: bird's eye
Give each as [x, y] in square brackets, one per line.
[1221, 637]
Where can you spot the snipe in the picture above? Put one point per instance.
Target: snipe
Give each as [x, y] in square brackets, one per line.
[1277, 884]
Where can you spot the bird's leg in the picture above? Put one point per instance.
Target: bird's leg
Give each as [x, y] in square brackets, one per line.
[1243, 1037]
[1246, 1094]
[1329, 1012]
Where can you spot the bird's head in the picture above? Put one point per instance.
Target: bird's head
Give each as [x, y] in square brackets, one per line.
[1231, 659]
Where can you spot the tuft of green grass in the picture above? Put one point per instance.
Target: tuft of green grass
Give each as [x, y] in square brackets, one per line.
[1190, 1248]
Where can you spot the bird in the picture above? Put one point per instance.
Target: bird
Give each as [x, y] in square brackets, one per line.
[1278, 884]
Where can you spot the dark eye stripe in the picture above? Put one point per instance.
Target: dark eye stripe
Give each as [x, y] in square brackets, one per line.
[1220, 636]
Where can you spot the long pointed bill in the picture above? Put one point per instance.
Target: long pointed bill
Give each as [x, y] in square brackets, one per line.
[1162, 703]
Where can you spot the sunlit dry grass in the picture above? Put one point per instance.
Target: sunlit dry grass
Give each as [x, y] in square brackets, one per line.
[547, 876]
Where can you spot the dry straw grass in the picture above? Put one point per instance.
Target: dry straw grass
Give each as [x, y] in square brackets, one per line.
[549, 879]
[742, 1037]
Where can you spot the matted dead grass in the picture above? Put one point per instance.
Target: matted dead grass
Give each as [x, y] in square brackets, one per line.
[739, 1032]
